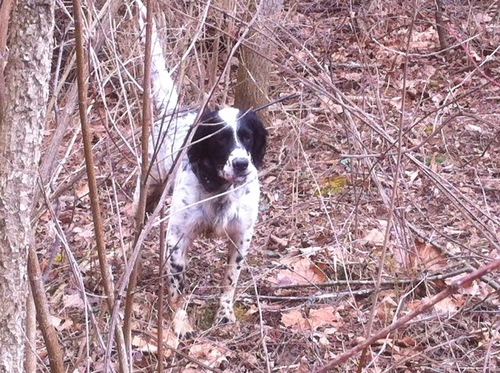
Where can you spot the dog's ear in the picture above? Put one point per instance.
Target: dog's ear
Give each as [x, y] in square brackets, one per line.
[259, 138]
[198, 150]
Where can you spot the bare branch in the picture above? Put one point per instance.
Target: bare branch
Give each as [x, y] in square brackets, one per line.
[82, 74]
[424, 306]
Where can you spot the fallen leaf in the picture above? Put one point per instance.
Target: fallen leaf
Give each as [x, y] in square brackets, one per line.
[299, 271]
[406, 342]
[66, 324]
[143, 345]
[55, 321]
[482, 17]
[427, 256]
[294, 319]
[304, 366]
[73, 300]
[81, 188]
[318, 318]
[447, 306]
[386, 307]
[325, 315]
[251, 310]
[374, 237]
[208, 353]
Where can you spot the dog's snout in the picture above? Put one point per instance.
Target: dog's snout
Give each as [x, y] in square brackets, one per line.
[240, 164]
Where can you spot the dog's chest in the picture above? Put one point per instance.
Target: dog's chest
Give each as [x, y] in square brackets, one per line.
[226, 213]
[233, 210]
[220, 209]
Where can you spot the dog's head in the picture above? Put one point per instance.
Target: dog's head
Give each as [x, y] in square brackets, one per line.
[227, 148]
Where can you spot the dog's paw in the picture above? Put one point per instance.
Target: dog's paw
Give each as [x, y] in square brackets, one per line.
[225, 315]
[181, 325]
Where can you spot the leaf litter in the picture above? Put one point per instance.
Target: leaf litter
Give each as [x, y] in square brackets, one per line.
[307, 292]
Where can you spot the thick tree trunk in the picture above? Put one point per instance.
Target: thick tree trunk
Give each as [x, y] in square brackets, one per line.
[23, 113]
[254, 69]
[5, 6]
[440, 26]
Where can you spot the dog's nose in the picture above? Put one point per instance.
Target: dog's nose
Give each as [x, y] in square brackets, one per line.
[240, 164]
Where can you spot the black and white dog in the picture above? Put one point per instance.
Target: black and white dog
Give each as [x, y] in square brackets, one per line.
[216, 189]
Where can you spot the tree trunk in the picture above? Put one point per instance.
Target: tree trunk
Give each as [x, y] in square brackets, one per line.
[21, 121]
[440, 26]
[5, 6]
[254, 69]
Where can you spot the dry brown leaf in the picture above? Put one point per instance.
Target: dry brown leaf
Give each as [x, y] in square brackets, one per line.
[67, 323]
[424, 40]
[427, 256]
[325, 315]
[143, 345]
[386, 307]
[447, 306]
[322, 338]
[374, 237]
[73, 300]
[81, 188]
[55, 321]
[482, 17]
[208, 353]
[406, 342]
[294, 320]
[251, 310]
[299, 271]
[318, 318]
[85, 232]
[474, 288]
[248, 358]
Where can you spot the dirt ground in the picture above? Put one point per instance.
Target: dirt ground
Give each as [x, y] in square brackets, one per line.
[381, 186]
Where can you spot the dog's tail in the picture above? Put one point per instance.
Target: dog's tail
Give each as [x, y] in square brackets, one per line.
[165, 96]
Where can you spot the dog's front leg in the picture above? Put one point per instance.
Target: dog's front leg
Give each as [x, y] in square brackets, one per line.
[178, 245]
[238, 250]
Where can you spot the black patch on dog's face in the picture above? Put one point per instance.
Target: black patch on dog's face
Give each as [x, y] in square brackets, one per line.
[250, 124]
[214, 140]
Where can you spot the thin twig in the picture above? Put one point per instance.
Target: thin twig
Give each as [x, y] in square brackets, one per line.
[82, 75]
[318, 297]
[143, 190]
[392, 205]
[161, 290]
[424, 306]
[385, 283]
[261, 324]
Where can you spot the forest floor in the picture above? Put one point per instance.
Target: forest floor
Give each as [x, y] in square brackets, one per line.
[381, 186]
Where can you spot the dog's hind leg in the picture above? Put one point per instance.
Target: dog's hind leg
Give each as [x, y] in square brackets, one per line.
[178, 245]
[238, 250]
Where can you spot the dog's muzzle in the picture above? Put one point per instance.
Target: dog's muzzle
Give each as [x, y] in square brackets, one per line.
[238, 170]
[240, 165]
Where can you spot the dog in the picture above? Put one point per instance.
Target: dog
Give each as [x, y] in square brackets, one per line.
[215, 188]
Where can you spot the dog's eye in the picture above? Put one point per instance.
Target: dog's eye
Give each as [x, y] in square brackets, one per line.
[245, 137]
[221, 139]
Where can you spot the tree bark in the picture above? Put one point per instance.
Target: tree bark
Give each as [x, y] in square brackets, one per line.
[5, 6]
[440, 26]
[255, 69]
[21, 121]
